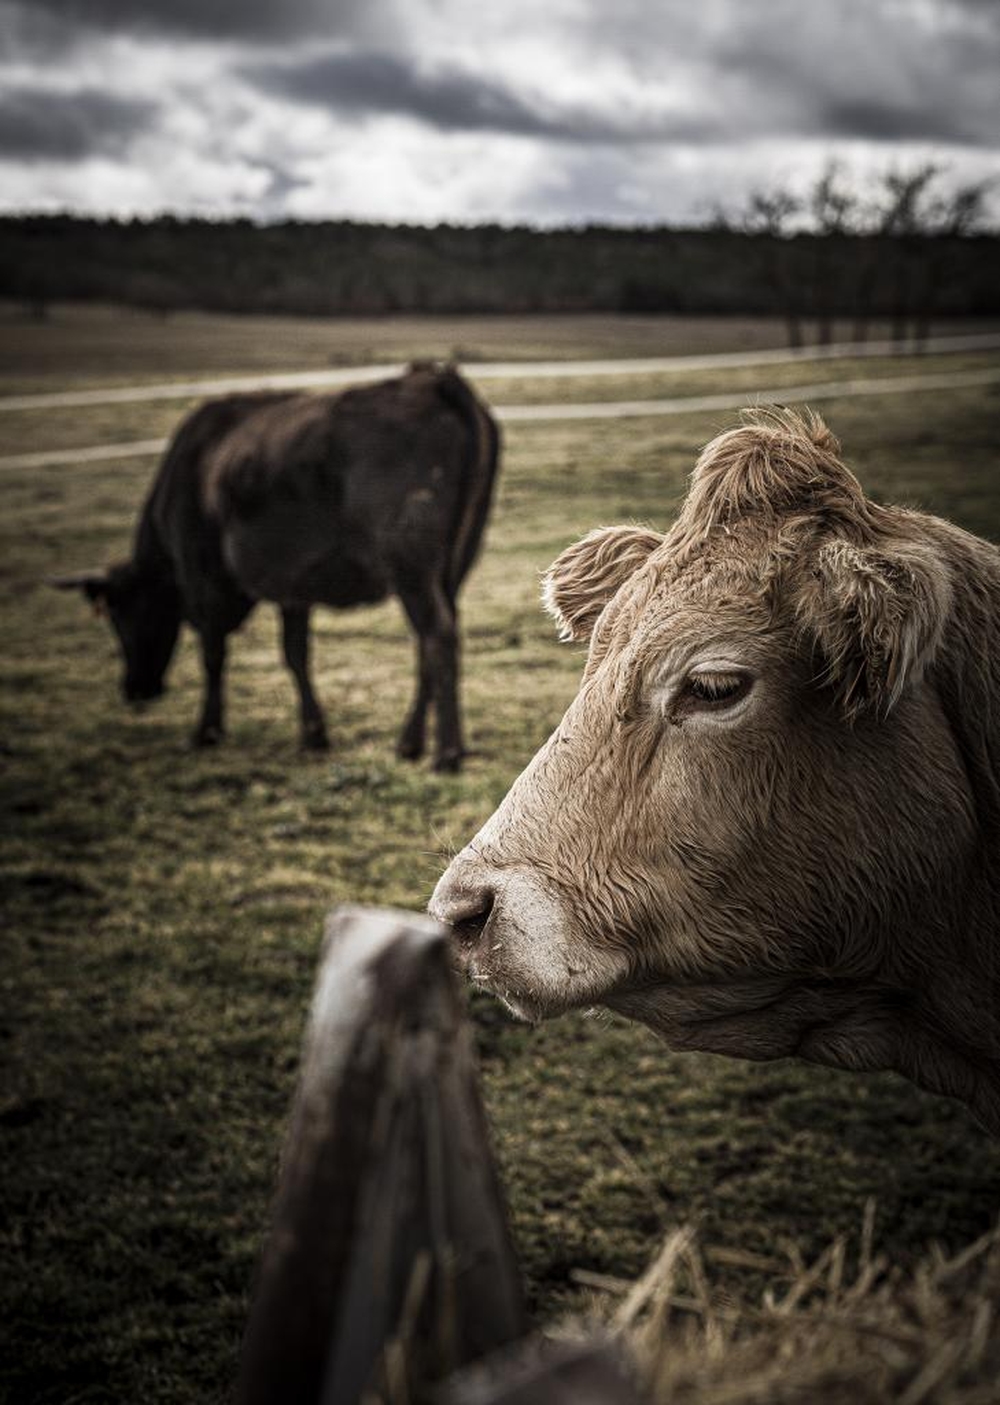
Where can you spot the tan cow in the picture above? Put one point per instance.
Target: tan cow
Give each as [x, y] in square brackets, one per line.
[769, 822]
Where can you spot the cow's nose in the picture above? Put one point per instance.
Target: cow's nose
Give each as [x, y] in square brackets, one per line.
[464, 907]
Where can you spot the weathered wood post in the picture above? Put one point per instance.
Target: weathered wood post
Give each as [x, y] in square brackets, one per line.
[389, 1262]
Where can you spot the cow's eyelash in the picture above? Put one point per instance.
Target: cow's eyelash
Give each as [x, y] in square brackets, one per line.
[702, 690]
[715, 688]
[710, 692]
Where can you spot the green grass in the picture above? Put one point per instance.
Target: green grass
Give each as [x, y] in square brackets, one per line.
[162, 915]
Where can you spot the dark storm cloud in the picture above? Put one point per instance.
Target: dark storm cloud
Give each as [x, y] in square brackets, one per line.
[42, 125]
[885, 122]
[989, 8]
[29, 35]
[449, 98]
[757, 92]
[878, 70]
[226, 19]
[866, 69]
[628, 110]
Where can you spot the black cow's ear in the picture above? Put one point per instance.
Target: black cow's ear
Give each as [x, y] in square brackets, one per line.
[102, 588]
[93, 584]
[580, 582]
[876, 614]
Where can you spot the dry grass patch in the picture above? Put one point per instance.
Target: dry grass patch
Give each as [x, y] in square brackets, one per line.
[847, 1328]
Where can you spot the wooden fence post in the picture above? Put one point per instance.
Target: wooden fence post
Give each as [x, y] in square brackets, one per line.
[389, 1262]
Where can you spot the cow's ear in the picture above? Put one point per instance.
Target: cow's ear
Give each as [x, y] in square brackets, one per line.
[580, 582]
[877, 614]
[95, 585]
[103, 587]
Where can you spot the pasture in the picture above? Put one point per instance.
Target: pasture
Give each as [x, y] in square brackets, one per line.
[163, 908]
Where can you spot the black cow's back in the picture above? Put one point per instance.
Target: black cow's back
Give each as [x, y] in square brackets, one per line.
[336, 498]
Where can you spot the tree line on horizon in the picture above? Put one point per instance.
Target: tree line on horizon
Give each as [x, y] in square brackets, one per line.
[909, 256]
[910, 262]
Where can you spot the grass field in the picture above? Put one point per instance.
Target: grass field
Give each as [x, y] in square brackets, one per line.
[162, 908]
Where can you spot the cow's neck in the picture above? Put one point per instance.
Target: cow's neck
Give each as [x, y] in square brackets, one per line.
[939, 1027]
[966, 674]
[952, 1051]
[936, 1010]
[955, 1041]
[944, 1061]
[149, 554]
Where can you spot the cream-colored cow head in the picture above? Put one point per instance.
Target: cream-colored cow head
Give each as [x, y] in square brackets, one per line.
[768, 823]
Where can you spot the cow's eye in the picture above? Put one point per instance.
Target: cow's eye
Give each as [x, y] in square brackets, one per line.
[716, 690]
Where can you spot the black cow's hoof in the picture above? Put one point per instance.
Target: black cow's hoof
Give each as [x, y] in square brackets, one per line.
[410, 749]
[315, 739]
[207, 736]
[449, 762]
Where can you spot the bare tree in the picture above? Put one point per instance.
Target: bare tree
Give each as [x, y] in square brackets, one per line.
[896, 249]
[901, 224]
[769, 213]
[945, 219]
[909, 231]
[834, 209]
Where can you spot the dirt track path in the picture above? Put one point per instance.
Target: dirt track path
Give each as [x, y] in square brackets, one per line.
[492, 370]
[611, 409]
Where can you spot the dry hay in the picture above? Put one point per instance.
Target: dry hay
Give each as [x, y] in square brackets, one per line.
[848, 1329]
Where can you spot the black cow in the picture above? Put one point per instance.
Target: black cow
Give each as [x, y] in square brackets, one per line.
[310, 499]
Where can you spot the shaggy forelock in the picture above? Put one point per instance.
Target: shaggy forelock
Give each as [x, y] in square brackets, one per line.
[775, 525]
[776, 464]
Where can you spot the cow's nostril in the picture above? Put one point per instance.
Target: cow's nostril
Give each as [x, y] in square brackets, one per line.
[469, 928]
[467, 913]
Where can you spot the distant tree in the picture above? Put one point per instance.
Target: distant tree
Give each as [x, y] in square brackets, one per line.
[897, 251]
[769, 214]
[894, 251]
[901, 223]
[834, 212]
[833, 207]
[962, 213]
[947, 219]
[828, 254]
[903, 199]
[769, 211]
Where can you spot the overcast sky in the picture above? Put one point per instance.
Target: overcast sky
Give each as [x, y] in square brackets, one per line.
[541, 111]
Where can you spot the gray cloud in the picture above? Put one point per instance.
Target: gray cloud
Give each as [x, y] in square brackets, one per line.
[863, 69]
[618, 111]
[888, 122]
[30, 35]
[363, 82]
[228, 19]
[281, 183]
[41, 125]
[448, 98]
[755, 93]
[989, 8]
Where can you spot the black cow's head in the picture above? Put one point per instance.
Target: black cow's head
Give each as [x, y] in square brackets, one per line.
[145, 613]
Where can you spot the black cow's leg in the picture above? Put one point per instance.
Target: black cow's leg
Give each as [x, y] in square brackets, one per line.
[450, 749]
[433, 617]
[411, 739]
[295, 635]
[209, 730]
